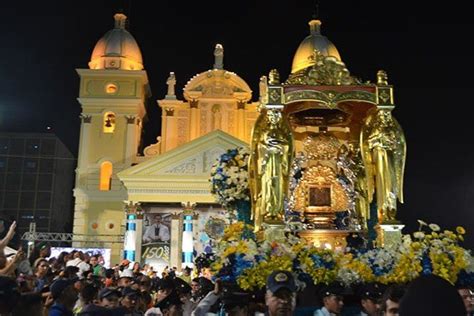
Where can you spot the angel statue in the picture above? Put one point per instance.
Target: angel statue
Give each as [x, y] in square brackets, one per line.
[383, 148]
[274, 150]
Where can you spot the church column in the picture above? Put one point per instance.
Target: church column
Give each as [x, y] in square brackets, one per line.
[84, 140]
[171, 139]
[131, 146]
[194, 120]
[240, 120]
[133, 232]
[176, 240]
[188, 248]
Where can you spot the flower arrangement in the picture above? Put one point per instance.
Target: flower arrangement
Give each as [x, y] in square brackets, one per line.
[247, 262]
[229, 183]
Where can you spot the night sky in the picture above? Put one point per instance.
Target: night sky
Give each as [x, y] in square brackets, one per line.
[425, 51]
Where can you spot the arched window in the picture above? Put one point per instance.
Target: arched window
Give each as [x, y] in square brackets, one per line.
[109, 122]
[105, 176]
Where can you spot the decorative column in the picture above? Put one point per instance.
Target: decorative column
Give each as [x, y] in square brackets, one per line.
[131, 146]
[176, 240]
[241, 119]
[188, 248]
[84, 139]
[171, 139]
[133, 232]
[194, 120]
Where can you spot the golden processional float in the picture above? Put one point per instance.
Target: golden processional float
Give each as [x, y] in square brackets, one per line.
[326, 151]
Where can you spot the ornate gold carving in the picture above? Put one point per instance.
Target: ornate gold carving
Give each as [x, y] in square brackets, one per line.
[329, 98]
[169, 111]
[327, 70]
[321, 147]
[273, 77]
[193, 104]
[320, 176]
[385, 96]
[382, 78]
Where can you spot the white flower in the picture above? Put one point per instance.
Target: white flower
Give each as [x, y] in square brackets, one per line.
[434, 227]
[419, 235]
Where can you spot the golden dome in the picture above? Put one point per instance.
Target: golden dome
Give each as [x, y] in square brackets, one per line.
[117, 49]
[304, 56]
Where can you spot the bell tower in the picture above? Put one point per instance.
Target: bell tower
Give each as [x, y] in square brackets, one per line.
[112, 94]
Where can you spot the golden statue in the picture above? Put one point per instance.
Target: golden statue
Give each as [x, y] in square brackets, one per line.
[360, 187]
[384, 151]
[274, 153]
[261, 124]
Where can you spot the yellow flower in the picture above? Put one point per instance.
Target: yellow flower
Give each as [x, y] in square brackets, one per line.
[460, 230]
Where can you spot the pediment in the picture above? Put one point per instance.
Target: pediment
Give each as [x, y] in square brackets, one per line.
[194, 158]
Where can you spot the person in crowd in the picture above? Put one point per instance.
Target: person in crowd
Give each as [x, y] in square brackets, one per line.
[136, 268]
[129, 301]
[29, 304]
[109, 278]
[96, 267]
[186, 275]
[109, 298]
[467, 296]
[125, 279]
[64, 295]
[390, 301]
[431, 295]
[41, 271]
[370, 295]
[78, 261]
[157, 232]
[41, 250]
[332, 300]
[87, 301]
[171, 305]
[9, 295]
[280, 297]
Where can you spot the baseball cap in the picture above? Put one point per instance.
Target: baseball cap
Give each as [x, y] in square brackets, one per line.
[127, 291]
[106, 292]
[373, 291]
[59, 286]
[127, 273]
[171, 299]
[335, 288]
[281, 279]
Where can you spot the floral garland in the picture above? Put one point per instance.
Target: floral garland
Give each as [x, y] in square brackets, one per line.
[229, 183]
[247, 262]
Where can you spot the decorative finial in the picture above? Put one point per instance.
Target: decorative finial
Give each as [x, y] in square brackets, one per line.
[263, 86]
[120, 19]
[382, 78]
[274, 77]
[315, 26]
[171, 82]
[219, 57]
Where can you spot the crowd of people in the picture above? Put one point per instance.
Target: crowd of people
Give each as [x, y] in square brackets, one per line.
[77, 283]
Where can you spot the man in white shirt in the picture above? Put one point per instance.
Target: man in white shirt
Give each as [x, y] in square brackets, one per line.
[156, 232]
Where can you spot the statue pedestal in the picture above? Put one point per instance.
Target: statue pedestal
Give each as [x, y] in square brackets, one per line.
[389, 235]
[326, 238]
[272, 233]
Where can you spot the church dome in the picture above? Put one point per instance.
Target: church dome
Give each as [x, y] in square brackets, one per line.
[304, 56]
[117, 49]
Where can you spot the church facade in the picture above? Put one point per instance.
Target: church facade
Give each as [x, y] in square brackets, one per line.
[171, 177]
